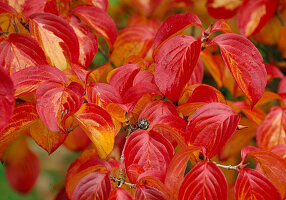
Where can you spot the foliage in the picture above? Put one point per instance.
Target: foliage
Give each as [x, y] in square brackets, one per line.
[147, 122]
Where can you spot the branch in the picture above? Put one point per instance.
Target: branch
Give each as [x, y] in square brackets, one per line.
[106, 57]
[121, 181]
[229, 167]
[279, 17]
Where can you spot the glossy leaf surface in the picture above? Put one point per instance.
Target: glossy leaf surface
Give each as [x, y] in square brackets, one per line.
[204, 181]
[120, 194]
[211, 126]
[245, 64]
[146, 192]
[174, 64]
[98, 126]
[250, 184]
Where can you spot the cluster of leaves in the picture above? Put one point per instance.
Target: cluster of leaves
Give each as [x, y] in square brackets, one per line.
[143, 116]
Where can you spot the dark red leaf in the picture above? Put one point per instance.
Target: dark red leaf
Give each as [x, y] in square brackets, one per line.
[211, 126]
[174, 64]
[222, 9]
[148, 193]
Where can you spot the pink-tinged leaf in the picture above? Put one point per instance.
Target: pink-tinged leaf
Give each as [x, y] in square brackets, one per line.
[102, 4]
[27, 80]
[273, 72]
[22, 166]
[222, 9]
[98, 126]
[148, 150]
[198, 73]
[87, 42]
[7, 100]
[102, 94]
[177, 168]
[253, 15]
[96, 185]
[245, 63]
[250, 184]
[146, 193]
[174, 64]
[123, 77]
[282, 86]
[142, 77]
[173, 26]
[24, 115]
[57, 101]
[147, 8]
[272, 166]
[156, 109]
[211, 126]
[120, 194]
[98, 20]
[272, 131]
[45, 138]
[204, 181]
[56, 37]
[19, 51]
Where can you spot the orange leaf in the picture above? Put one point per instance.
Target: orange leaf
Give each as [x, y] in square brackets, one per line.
[98, 126]
[24, 115]
[22, 166]
[282, 41]
[272, 131]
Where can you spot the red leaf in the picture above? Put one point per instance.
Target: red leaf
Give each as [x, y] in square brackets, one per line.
[98, 20]
[20, 51]
[24, 115]
[148, 150]
[253, 15]
[211, 126]
[177, 168]
[56, 102]
[250, 184]
[77, 140]
[245, 63]
[220, 25]
[204, 181]
[56, 37]
[96, 185]
[146, 193]
[7, 100]
[178, 56]
[122, 78]
[120, 194]
[272, 166]
[273, 72]
[22, 166]
[272, 131]
[198, 73]
[87, 42]
[5, 8]
[39, 6]
[27, 80]
[173, 26]
[98, 126]
[222, 9]
[157, 109]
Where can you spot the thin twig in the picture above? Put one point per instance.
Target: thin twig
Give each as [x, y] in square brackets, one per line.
[106, 57]
[229, 167]
[72, 128]
[121, 181]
